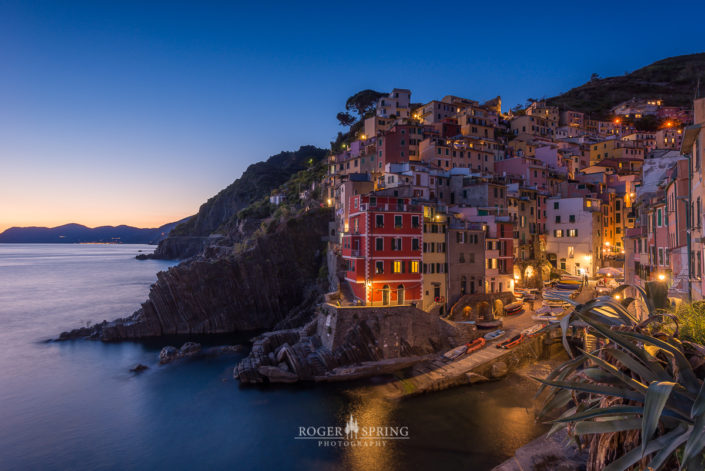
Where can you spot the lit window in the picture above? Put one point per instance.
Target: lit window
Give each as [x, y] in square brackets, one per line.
[397, 266]
[414, 266]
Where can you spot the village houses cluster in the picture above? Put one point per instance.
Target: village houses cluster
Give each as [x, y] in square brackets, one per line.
[453, 197]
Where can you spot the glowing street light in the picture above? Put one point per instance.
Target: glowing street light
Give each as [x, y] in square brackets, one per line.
[661, 276]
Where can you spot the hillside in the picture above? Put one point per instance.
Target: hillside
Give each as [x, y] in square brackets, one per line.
[673, 80]
[220, 213]
[77, 233]
[256, 182]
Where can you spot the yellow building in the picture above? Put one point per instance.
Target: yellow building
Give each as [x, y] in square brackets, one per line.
[614, 149]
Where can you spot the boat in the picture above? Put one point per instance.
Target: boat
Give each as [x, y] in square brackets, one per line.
[514, 308]
[476, 345]
[455, 352]
[494, 335]
[489, 324]
[532, 331]
[549, 318]
[512, 342]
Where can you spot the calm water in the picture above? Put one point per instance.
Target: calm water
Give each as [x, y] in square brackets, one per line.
[75, 405]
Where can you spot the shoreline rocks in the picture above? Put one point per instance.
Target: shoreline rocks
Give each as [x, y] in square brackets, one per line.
[193, 349]
[275, 281]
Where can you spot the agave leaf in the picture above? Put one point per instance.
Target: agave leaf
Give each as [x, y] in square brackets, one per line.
[607, 426]
[610, 368]
[699, 403]
[595, 389]
[616, 411]
[562, 371]
[633, 364]
[656, 397]
[696, 440]
[557, 426]
[565, 323]
[599, 376]
[633, 457]
[561, 398]
[619, 339]
[663, 455]
[689, 380]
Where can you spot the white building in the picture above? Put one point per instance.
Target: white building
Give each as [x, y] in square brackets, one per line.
[573, 234]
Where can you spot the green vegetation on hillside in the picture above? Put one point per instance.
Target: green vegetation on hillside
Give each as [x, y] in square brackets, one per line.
[256, 183]
[673, 80]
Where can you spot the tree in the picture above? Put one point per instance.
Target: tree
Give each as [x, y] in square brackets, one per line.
[363, 102]
[594, 77]
[345, 119]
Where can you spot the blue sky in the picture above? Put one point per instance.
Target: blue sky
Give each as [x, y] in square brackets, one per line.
[136, 112]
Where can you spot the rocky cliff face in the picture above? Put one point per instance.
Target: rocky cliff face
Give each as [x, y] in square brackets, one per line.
[255, 289]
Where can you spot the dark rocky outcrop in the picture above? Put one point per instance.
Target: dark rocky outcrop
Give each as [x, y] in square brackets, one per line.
[193, 349]
[350, 343]
[256, 288]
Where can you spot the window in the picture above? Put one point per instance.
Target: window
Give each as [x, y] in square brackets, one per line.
[572, 233]
[397, 266]
[472, 257]
[397, 221]
[396, 244]
[571, 218]
[414, 244]
[558, 219]
[379, 267]
[461, 258]
[555, 205]
[414, 266]
[558, 233]
[379, 220]
[379, 243]
[414, 221]
[658, 217]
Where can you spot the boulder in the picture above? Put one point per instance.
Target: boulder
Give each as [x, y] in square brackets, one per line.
[139, 368]
[189, 348]
[499, 370]
[168, 354]
[277, 375]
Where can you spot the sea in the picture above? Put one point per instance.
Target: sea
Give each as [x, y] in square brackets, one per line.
[76, 405]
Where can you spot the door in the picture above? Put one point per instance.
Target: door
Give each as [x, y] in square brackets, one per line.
[400, 294]
[385, 295]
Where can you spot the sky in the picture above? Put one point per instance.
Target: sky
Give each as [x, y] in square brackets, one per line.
[136, 112]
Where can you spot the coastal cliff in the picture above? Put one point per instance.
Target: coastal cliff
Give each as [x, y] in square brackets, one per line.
[220, 213]
[270, 281]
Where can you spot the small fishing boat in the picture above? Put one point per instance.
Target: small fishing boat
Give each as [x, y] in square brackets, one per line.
[512, 342]
[455, 353]
[494, 335]
[513, 306]
[532, 331]
[476, 345]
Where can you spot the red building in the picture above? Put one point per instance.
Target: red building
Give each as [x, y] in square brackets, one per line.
[382, 250]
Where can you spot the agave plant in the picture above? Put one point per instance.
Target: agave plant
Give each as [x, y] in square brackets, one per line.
[635, 399]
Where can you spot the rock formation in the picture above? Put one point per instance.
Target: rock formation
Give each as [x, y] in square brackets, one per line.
[278, 273]
[361, 342]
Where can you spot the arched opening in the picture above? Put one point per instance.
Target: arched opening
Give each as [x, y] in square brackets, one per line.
[385, 295]
[400, 294]
[483, 311]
